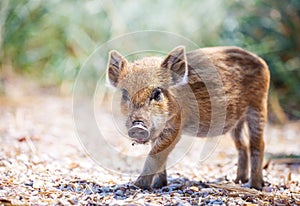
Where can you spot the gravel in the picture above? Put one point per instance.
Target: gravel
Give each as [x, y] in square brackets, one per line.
[42, 163]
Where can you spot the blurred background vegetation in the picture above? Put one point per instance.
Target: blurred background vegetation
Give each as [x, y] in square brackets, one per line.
[47, 41]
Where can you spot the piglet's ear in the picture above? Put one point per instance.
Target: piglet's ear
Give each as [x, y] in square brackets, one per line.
[176, 63]
[115, 64]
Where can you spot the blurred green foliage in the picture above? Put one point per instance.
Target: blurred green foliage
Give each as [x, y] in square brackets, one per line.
[271, 29]
[49, 40]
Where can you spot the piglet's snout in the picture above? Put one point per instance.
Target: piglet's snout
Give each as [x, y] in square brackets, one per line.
[138, 131]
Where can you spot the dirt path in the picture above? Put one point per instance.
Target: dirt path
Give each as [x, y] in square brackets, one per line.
[42, 162]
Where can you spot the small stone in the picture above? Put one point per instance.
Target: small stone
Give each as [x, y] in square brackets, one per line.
[196, 189]
[269, 189]
[106, 189]
[97, 190]
[28, 183]
[38, 184]
[175, 186]
[166, 189]
[77, 190]
[73, 200]
[119, 193]
[123, 189]
[88, 192]
[188, 191]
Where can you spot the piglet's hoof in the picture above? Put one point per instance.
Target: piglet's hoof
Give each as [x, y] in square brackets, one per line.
[241, 180]
[143, 182]
[257, 186]
[159, 182]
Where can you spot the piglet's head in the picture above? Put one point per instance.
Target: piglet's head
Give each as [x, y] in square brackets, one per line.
[147, 100]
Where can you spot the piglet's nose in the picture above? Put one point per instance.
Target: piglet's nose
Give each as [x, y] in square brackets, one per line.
[138, 131]
[137, 122]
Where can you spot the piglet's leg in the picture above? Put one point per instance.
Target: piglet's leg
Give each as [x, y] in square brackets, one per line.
[157, 158]
[242, 148]
[152, 166]
[256, 122]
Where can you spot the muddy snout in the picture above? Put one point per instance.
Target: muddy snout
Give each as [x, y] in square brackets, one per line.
[139, 132]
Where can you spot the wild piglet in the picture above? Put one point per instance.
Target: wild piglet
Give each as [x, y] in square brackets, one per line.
[163, 98]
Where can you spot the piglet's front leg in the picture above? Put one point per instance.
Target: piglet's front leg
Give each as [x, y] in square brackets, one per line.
[152, 166]
[156, 159]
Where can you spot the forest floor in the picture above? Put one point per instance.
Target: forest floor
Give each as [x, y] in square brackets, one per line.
[43, 162]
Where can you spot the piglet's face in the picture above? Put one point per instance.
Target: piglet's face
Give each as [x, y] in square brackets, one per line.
[146, 100]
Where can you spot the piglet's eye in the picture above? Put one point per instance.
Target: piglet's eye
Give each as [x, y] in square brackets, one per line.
[125, 95]
[156, 95]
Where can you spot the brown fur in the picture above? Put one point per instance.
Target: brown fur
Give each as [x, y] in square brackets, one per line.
[195, 104]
